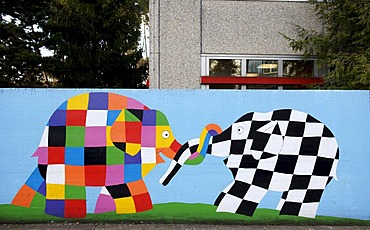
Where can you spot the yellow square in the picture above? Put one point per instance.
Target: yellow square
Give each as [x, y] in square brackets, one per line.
[146, 168]
[79, 102]
[55, 191]
[109, 140]
[132, 149]
[125, 205]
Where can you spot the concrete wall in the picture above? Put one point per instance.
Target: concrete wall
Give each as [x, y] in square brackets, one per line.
[25, 112]
[183, 30]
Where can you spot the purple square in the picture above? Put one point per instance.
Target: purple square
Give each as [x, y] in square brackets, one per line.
[98, 101]
[42, 188]
[148, 136]
[58, 118]
[149, 118]
[114, 175]
[55, 208]
[133, 104]
[136, 159]
[95, 136]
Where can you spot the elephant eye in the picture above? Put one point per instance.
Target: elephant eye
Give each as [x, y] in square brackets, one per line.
[165, 134]
[240, 130]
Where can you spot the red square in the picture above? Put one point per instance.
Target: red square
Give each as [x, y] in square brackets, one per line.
[142, 202]
[95, 175]
[76, 118]
[56, 155]
[133, 132]
[75, 208]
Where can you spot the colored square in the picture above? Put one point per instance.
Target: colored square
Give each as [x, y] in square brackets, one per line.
[118, 132]
[125, 205]
[95, 175]
[35, 180]
[74, 156]
[116, 102]
[75, 209]
[132, 172]
[55, 174]
[95, 136]
[137, 187]
[58, 118]
[24, 196]
[119, 191]
[75, 136]
[57, 136]
[161, 119]
[42, 155]
[96, 117]
[148, 136]
[114, 156]
[108, 139]
[134, 104]
[75, 175]
[149, 118]
[56, 155]
[295, 129]
[45, 137]
[79, 102]
[142, 202]
[146, 168]
[148, 155]
[55, 191]
[133, 132]
[114, 175]
[95, 156]
[132, 149]
[76, 118]
[98, 101]
[75, 192]
[55, 208]
[286, 164]
[112, 116]
[135, 159]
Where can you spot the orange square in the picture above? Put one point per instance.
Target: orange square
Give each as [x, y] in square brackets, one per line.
[116, 102]
[24, 196]
[75, 175]
[118, 132]
[137, 187]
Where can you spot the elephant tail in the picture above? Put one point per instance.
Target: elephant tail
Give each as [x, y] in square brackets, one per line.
[34, 184]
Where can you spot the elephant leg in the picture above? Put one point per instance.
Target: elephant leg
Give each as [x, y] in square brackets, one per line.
[66, 201]
[300, 202]
[130, 197]
[240, 197]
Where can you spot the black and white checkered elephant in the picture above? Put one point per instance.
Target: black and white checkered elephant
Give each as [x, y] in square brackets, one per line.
[283, 150]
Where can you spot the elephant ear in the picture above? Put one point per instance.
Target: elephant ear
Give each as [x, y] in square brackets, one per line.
[267, 141]
[126, 131]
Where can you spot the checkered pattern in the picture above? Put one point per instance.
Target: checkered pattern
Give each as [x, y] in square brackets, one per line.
[96, 139]
[283, 150]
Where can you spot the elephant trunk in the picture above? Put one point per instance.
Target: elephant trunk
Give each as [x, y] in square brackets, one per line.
[192, 152]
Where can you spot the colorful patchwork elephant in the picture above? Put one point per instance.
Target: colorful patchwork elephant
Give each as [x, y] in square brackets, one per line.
[283, 150]
[98, 139]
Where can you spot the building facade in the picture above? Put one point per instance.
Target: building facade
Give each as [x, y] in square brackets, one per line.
[216, 44]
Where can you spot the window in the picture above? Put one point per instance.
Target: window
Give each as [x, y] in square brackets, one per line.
[257, 71]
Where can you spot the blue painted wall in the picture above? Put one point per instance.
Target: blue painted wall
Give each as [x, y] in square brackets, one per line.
[24, 113]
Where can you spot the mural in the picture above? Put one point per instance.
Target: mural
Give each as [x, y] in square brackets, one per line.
[283, 150]
[98, 139]
[103, 156]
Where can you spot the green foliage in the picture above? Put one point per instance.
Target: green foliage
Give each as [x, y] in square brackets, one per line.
[94, 43]
[344, 46]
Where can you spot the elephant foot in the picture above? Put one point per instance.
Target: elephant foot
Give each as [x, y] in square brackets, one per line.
[232, 204]
[131, 197]
[105, 202]
[66, 208]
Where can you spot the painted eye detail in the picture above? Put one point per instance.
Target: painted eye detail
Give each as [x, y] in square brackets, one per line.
[240, 130]
[165, 134]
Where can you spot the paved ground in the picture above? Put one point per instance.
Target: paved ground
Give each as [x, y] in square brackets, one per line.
[171, 226]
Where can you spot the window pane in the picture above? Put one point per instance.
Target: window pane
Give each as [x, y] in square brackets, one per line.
[224, 67]
[298, 69]
[266, 68]
[222, 86]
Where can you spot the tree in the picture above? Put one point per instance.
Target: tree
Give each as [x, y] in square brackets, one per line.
[96, 43]
[344, 46]
[21, 38]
